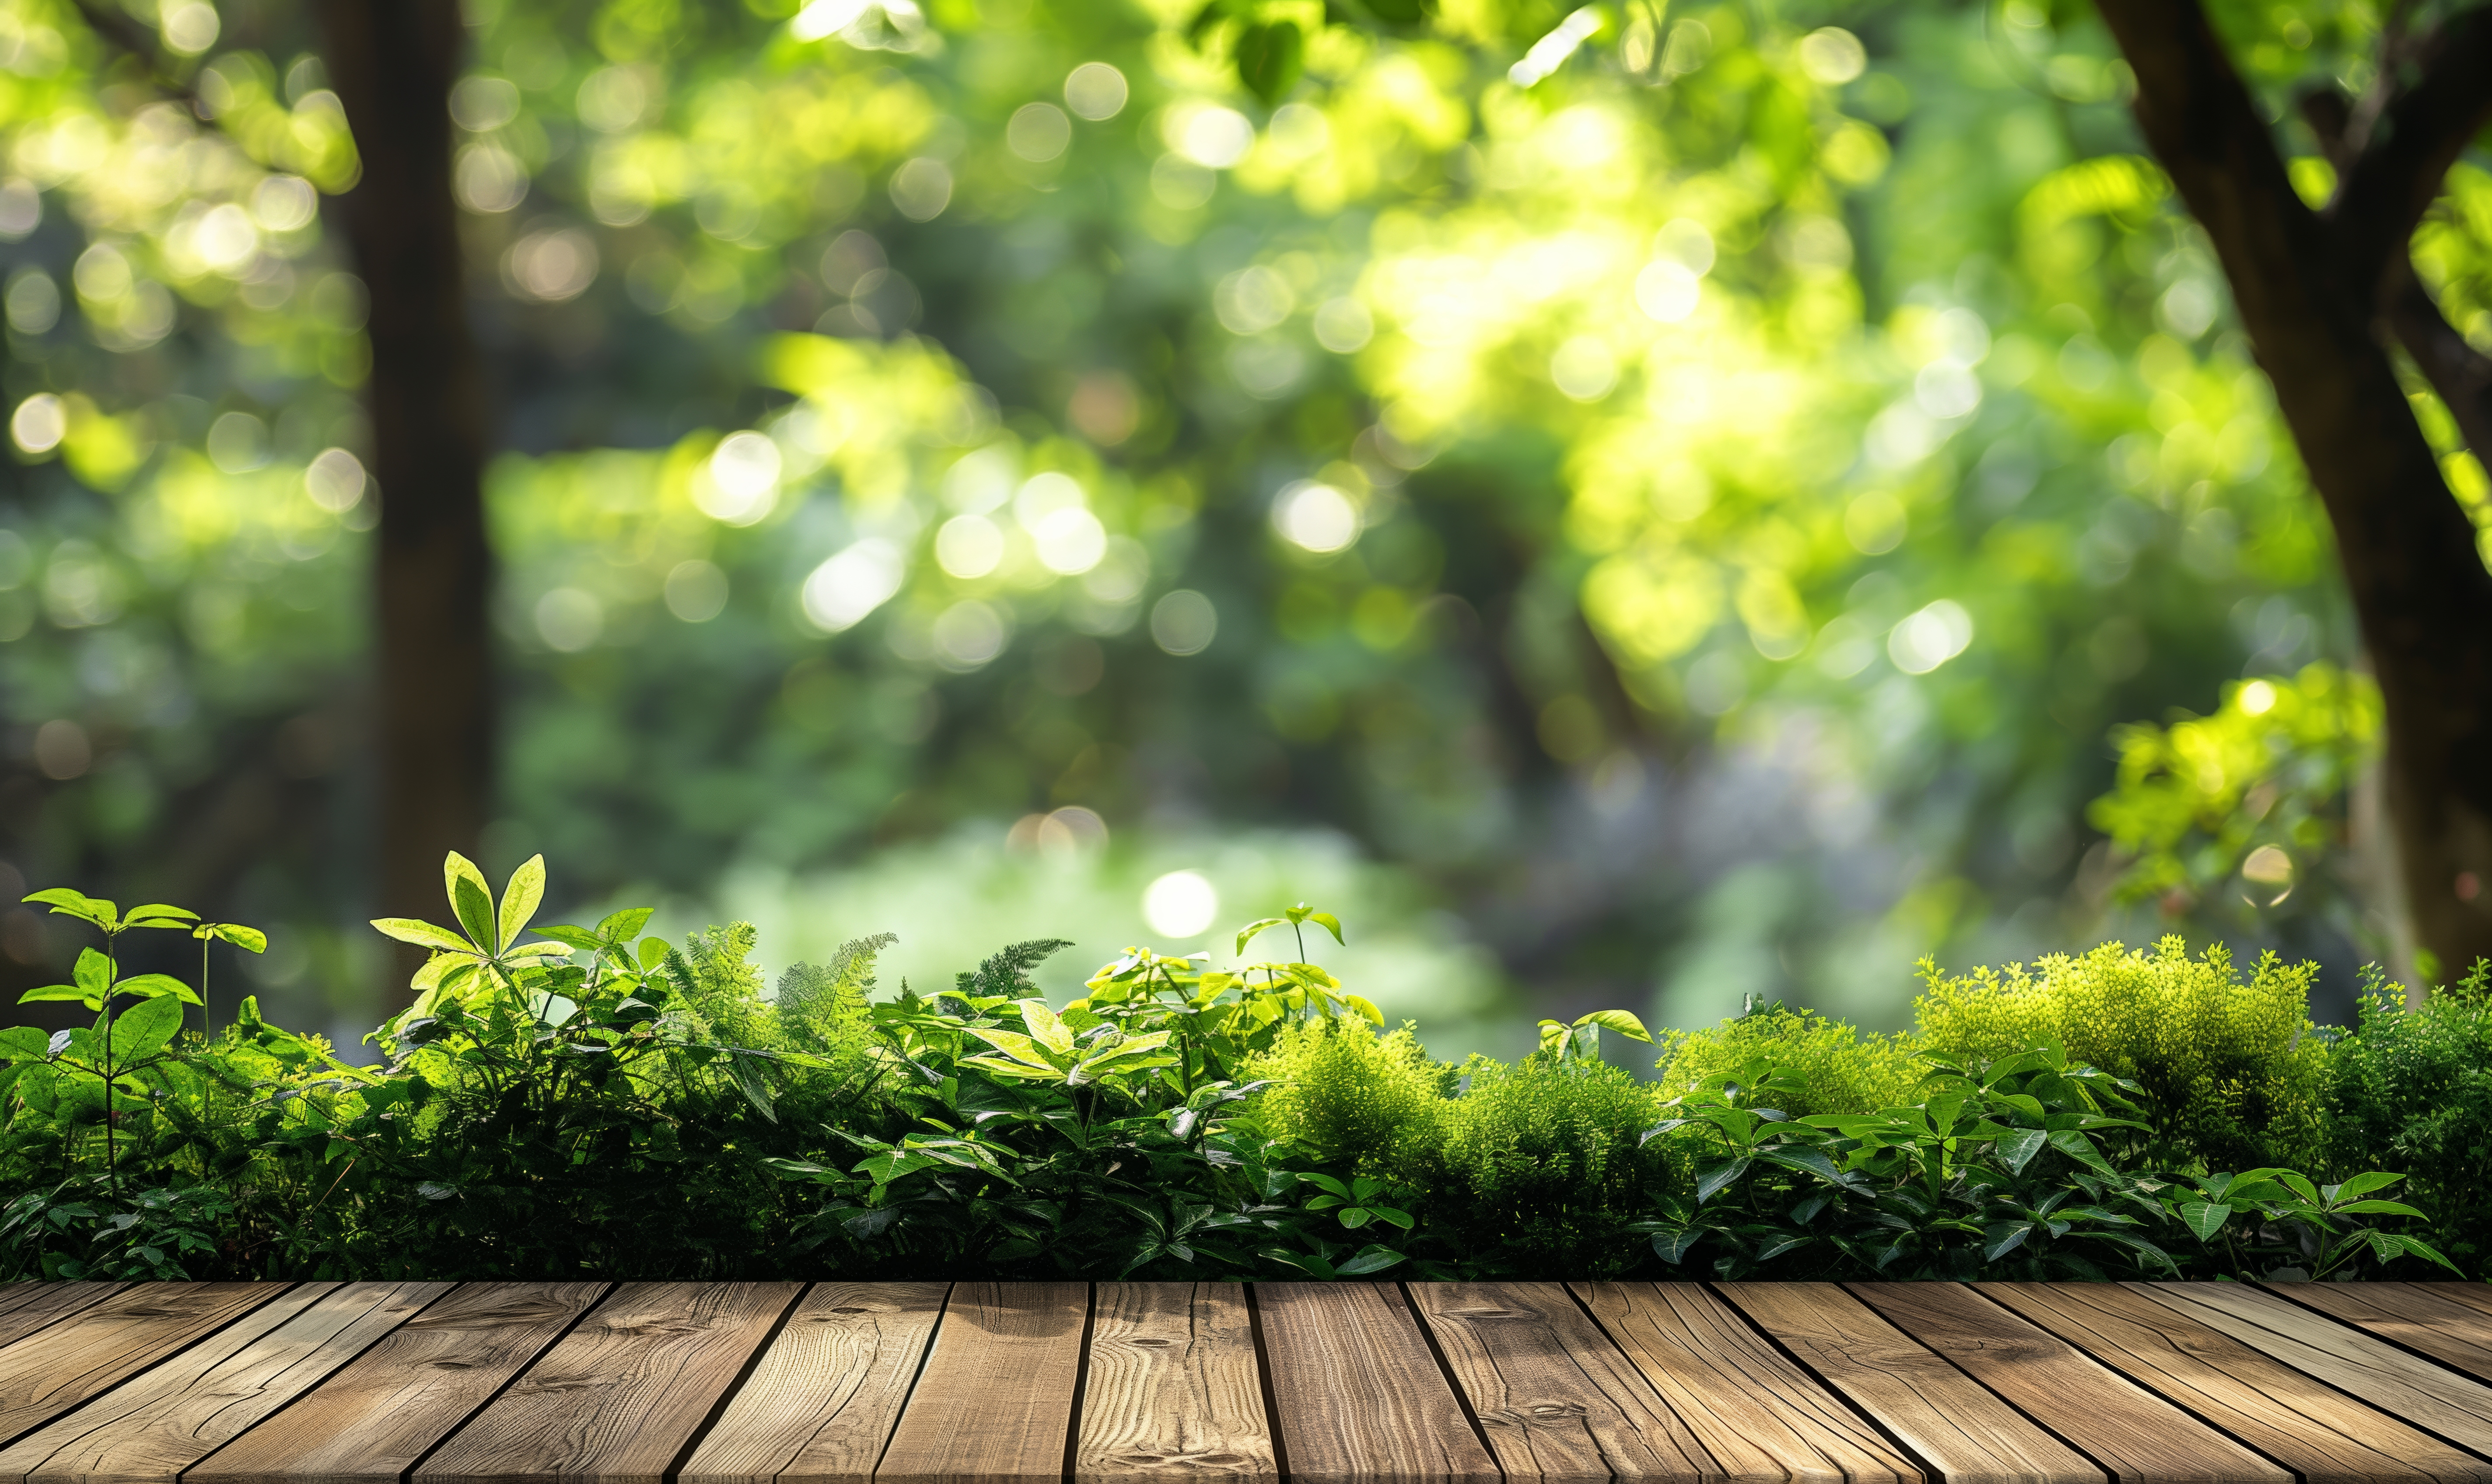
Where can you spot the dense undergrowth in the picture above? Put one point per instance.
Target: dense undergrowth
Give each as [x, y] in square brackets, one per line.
[568, 1101]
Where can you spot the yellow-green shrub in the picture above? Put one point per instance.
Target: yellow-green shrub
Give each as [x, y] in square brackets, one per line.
[1846, 1070]
[1349, 1095]
[2231, 1073]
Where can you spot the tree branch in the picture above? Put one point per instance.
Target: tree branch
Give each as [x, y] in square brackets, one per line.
[2460, 374]
[2404, 156]
[132, 39]
[2203, 125]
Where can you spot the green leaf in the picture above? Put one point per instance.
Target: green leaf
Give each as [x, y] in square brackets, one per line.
[156, 914]
[2004, 1242]
[2363, 1184]
[144, 1029]
[2383, 1241]
[1812, 1160]
[2017, 1149]
[62, 992]
[1366, 1008]
[1020, 1047]
[1326, 920]
[1670, 1246]
[2375, 1209]
[1020, 1070]
[1619, 1021]
[248, 938]
[1370, 1259]
[579, 940]
[619, 926]
[520, 898]
[1047, 1027]
[424, 935]
[2077, 1146]
[158, 987]
[70, 904]
[472, 905]
[24, 1043]
[1246, 933]
[1710, 1182]
[2205, 1218]
[93, 974]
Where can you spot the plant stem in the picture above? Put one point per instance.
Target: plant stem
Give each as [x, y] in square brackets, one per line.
[111, 1145]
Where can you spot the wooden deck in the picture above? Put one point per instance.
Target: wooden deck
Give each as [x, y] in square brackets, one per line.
[1330, 1384]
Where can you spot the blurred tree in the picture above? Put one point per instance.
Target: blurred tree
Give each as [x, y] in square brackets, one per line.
[394, 66]
[1693, 494]
[2327, 295]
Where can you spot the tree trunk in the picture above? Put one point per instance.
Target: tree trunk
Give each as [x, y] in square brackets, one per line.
[392, 62]
[2322, 295]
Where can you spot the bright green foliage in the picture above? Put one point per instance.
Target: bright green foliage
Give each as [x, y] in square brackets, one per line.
[1838, 1068]
[1349, 1096]
[2226, 1068]
[2412, 1090]
[1541, 1166]
[611, 1104]
[2248, 802]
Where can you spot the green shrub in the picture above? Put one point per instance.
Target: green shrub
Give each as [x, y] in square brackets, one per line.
[1347, 1096]
[1838, 1068]
[2228, 1070]
[2412, 1090]
[562, 1101]
[1542, 1167]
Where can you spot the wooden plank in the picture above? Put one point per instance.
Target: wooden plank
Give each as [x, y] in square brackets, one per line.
[2317, 1432]
[58, 1368]
[1759, 1416]
[371, 1420]
[1173, 1390]
[148, 1430]
[1555, 1398]
[2118, 1424]
[617, 1398]
[994, 1404]
[1957, 1425]
[40, 1304]
[821, 1405]
[2445, 1321]
[2407, 1387]
[1358, 1397]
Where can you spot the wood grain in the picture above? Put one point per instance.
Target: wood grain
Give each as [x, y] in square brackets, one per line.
[1174, 1388]
[617, 1399]
[1358, 1397]
[2407, 1387]
[822, 1404]
[994, 1404]
[372, 1419]
[2445, 1321]
[60, 1366]
[1757, 1416]
[149, 1429]
[1555, 1398]
[1966, 1432]
[27, 1307]
[2311, 1429]
[2138, 1435]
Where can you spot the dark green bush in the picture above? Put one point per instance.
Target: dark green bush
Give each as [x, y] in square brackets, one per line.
[2412, 1090]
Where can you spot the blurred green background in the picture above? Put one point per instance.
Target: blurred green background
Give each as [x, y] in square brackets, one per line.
[1640, 523]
